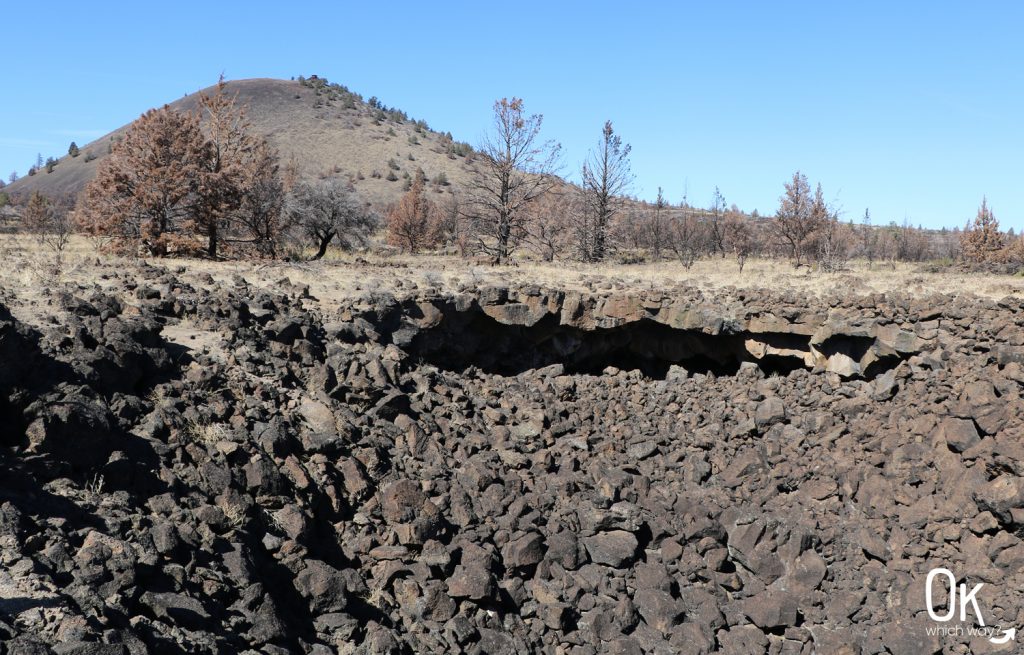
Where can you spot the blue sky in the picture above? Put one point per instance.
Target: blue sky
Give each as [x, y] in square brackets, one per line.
[912, 109]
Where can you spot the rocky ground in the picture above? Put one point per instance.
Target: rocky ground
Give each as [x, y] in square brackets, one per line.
[223, 468]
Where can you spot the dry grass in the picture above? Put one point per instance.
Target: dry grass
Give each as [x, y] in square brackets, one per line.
[29, 270]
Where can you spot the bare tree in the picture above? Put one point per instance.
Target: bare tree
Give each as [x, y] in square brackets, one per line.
[834, 241]
[739, 236]
[631, 227]
[452, 226]
[551, 214]
[515, 168]
[50, 223]
[327, 211]
[686, 237]
[716, 223]
[655, 237]
[259, 216]
[606, 178]
[868, 239]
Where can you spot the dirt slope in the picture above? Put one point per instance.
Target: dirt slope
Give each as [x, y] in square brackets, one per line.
[324, 136]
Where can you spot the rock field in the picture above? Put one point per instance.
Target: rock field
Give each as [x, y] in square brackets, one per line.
[223, 468]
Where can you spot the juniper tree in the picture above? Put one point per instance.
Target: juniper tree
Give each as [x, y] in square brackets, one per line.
[797, 219]
[145, 192]
[981, 241]
[411, 223]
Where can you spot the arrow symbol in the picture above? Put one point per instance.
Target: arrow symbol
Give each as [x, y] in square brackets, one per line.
[1007, 636]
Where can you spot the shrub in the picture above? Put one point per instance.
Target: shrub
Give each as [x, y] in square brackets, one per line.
[73, 149]
[329, 212]
[412, 223]
[981, 241]
[391, 177]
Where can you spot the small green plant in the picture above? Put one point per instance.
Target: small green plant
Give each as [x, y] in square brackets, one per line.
[391, 132]
[413, 141]
[94, 486]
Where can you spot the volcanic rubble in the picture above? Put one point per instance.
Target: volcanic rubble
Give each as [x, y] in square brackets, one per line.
[230, 469]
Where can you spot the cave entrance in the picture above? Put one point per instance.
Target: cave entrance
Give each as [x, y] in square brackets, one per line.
[474, 339]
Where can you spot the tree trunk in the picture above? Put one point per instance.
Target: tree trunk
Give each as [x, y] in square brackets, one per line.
[504, 233]
[325, 240]
[211, 248]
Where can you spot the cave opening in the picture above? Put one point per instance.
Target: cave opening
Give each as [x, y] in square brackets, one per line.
[473, 339]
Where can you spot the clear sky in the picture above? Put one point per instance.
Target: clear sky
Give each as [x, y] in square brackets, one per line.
[913, 109]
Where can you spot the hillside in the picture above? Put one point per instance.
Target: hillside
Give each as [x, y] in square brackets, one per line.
[328, 130]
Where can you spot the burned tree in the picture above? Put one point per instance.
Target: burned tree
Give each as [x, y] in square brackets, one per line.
[606, 177]
[797, 219]
[412, 222]
[515, 168]
[739, 236]
[981, 240]
[259, 215]
[237, 164]
[177, 176]
[551, 216]
[145, 192]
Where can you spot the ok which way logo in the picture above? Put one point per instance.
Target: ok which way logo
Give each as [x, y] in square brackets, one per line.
[962, 599]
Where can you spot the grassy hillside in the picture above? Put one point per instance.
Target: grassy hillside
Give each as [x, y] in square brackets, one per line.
[329, 131]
